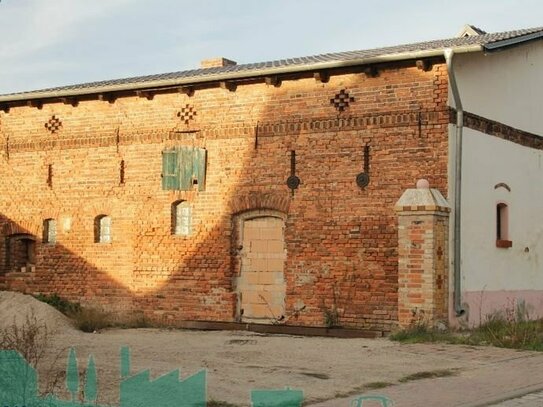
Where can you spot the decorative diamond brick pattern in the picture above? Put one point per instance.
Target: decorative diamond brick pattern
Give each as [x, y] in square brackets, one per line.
[341, 100]
[53, 125]
[187, 113]
[335, 233]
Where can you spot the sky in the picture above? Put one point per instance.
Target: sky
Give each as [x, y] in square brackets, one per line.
[46, 43]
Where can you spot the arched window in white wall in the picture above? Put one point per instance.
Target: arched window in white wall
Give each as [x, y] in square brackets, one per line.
[102, 229]
[181, 218]
[502, 226]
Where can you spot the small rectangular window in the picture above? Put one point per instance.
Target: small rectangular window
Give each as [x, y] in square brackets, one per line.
[49, 231]
[502, 226]
[105, 236]
[102, 229]
[182, 218]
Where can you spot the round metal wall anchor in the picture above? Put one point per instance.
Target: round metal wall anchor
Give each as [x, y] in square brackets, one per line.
[362, 180]
[293, 182]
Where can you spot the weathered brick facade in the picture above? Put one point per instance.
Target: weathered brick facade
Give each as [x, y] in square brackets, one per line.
[104, 157]
[423, 246]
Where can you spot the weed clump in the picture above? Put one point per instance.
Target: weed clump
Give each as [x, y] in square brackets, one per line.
[31, 339]
[510, 328]
[91, 319]
[430, 374]
[87, 319]
[61, 304]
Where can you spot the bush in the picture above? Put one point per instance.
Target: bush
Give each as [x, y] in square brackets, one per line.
[87, 319]
[31, 339]
[91, 319]
[61, 304]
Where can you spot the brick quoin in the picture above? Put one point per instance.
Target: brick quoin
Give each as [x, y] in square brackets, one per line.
[341, 240]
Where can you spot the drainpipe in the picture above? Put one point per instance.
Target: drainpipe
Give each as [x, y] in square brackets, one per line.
[449, 53]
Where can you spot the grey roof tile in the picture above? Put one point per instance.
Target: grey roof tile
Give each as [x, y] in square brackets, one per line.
[292, 64]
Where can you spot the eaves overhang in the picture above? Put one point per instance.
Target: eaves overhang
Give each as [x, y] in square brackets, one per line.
[235, 76]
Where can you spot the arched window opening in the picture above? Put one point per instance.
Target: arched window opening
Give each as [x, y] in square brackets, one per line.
[49, 231]
[102, 229]
[181, 218]
[502, 226]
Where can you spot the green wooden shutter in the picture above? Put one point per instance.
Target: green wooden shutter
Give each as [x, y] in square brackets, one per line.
[170, 170]
[199, 167]
[183, 165]
[185, 168]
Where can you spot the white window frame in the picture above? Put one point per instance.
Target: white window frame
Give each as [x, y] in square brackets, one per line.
[49, 231]
[182, 218]
[103, 223]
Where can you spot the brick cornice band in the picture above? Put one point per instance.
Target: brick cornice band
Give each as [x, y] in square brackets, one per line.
[113, 137]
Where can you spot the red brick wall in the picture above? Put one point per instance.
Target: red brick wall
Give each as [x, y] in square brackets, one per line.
[423, 272]
[341, 240]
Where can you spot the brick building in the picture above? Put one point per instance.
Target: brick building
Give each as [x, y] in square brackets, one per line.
[259, 193]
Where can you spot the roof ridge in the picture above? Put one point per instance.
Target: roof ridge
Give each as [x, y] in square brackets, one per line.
[255, 68]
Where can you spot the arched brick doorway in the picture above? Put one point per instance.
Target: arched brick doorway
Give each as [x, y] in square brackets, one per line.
[260, 254]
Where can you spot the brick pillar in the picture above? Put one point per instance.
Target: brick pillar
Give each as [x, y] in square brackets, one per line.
[423, 241]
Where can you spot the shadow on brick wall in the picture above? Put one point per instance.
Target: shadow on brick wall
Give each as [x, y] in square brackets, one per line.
[341, 239]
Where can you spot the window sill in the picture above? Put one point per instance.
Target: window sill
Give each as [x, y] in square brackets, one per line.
[504, 244]
[185, 237]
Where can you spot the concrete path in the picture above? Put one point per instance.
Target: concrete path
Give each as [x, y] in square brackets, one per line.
[501, 379]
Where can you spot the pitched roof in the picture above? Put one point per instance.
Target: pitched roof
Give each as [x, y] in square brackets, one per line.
[482, 42]
[469, 29]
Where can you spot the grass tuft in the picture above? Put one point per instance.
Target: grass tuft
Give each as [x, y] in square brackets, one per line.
[502, 332]
[377, 385]
[430, 374]
[86, 319]
[511, 328]
[421, 333]
[61, 304]
[91, 319]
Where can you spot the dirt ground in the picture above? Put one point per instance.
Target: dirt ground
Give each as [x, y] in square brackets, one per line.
[237, 362]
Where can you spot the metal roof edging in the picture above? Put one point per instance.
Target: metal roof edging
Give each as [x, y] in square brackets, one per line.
[494, 46]
[237, 75]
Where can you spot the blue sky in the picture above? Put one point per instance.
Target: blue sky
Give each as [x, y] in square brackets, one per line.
[59, 42]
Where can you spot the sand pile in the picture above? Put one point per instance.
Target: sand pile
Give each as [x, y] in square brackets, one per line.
[15, 307]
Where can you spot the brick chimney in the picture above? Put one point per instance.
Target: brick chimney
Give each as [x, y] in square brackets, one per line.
[216, 63]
